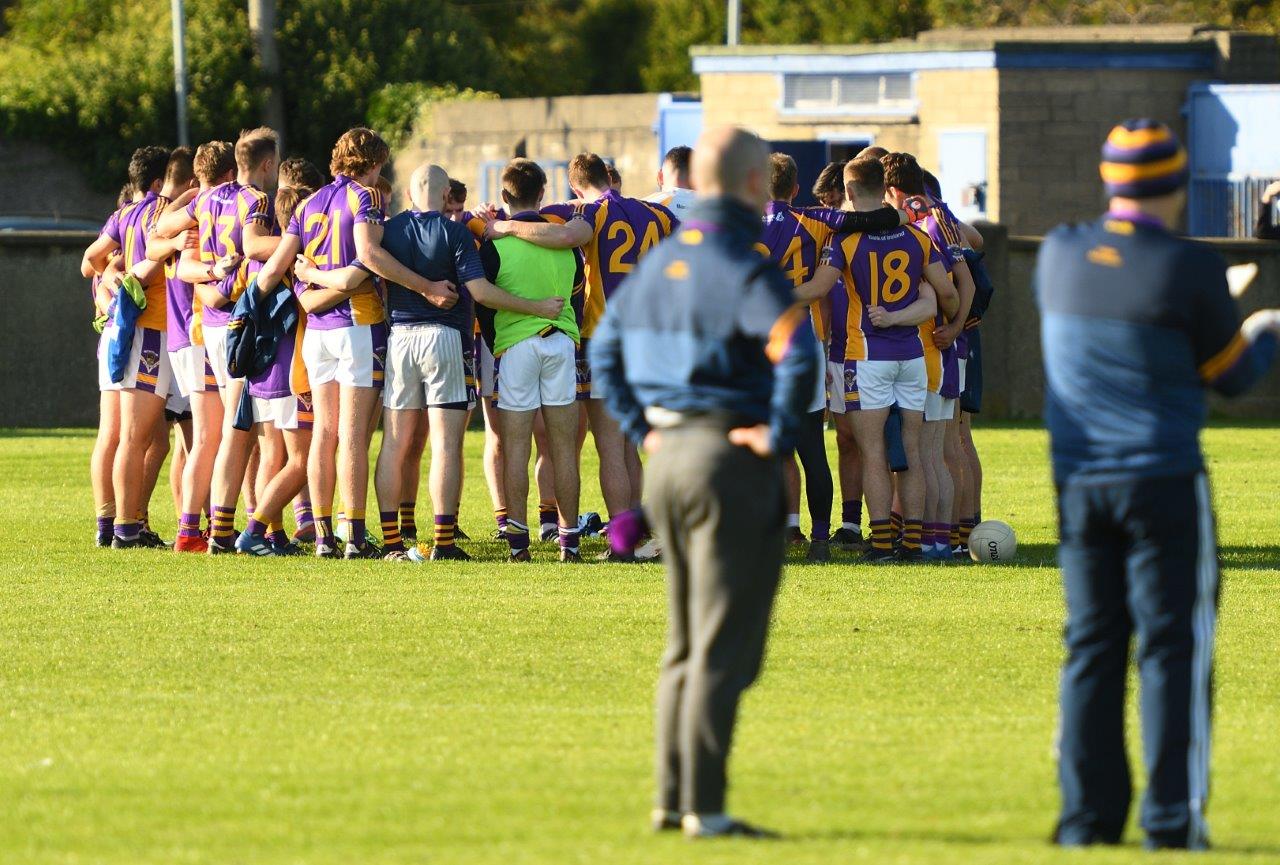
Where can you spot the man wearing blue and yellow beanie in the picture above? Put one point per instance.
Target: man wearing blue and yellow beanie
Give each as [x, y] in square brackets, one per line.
[1137, 323]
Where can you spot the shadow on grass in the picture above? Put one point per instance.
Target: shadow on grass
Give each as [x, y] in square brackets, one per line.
[1235, 557]
[978, 839]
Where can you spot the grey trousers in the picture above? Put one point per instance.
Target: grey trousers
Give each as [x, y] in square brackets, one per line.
[719, 512]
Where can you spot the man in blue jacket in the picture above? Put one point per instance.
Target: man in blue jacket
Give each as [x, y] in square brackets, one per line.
[706, 361]
[1136, 324]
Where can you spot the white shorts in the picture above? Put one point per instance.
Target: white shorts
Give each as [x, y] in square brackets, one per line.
[215, 351]
[352, 356]
[148, 368]
[191, 370]
[486, 374]
[938, 407]
[177, 404]
[284, 412]
[881, 383]
[835, 377]
[426, 368]
[538, 371]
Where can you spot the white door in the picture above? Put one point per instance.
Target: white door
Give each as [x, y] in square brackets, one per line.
[962, 171]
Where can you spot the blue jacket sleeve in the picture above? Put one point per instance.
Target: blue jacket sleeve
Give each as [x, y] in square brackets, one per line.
[608, 366]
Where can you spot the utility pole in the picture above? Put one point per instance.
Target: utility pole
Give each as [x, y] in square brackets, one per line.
[734, 23]
[180, 69]
[262, 25]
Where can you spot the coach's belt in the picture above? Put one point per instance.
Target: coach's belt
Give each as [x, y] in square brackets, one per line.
[664, 418]
[549, 330]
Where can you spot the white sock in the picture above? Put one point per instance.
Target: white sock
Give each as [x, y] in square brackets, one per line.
[793, 521]
[853, 527]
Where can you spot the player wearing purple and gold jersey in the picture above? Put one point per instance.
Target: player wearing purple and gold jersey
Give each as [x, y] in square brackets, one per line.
[904, 178]
[281, 393]
[614, 232]
[234, 222]
[894, 280]
[344, 347]
[108, 438]
[793, 238]
[144, 380]
[213, 165]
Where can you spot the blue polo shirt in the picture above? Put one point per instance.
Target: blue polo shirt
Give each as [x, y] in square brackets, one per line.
[437, 249]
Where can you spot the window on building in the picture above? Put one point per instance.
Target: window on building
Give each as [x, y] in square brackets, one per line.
[860, 92]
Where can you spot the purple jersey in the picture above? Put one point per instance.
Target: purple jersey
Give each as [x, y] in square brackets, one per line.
[325, 226]
[624, 230]
[276, 380]
[134, 222]
[838, 322]
[882, 268]
[794, 238]
[949, 230]
[221, 213]
[180, 297]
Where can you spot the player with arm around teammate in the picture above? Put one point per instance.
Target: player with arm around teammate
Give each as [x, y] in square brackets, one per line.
[893, 279]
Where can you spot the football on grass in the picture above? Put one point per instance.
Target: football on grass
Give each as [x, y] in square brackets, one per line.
[992, 541]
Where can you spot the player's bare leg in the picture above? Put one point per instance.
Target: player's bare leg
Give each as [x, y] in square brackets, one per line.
[562, 429]
[102, 462]
[448, 428]
[971, 508]
[249, 486]
[197, 477]
[954, 457]
[322, 471]
[285, 483]
[401, 432]
[544, 477]
[849, 466]
[930, 456]
[411, 484]
[140, 412]
[635, 472]
[152, 464]
[178, 464]
[358, 410]
[517, 438]
[230, 470]
[911, 482]
[493, 462]
[877, 484]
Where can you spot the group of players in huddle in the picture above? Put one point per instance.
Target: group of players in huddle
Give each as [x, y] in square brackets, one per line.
[275, 319]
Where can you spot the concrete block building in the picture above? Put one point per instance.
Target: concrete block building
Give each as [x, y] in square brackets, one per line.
[1011, 120]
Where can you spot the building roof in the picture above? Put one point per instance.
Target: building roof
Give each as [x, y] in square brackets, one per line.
[1166, 46]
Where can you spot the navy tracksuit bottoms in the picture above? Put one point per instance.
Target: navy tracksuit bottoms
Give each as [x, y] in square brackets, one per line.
[1137, 556]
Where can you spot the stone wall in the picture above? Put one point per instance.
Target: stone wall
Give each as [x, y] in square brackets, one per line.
[461, 136]
[1052, 125]
[48, 368]
[1012, 367]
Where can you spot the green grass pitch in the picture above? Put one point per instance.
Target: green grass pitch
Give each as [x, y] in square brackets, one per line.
[165, 709]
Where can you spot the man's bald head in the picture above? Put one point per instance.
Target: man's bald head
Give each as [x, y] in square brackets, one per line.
[730, 161]
[428, 187]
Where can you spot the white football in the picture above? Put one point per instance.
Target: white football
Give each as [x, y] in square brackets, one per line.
[992, 541]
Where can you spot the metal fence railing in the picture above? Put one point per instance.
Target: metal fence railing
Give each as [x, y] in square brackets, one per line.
[1224, 206]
